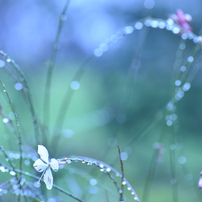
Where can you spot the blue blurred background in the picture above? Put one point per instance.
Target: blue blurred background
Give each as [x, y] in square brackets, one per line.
[117, 96]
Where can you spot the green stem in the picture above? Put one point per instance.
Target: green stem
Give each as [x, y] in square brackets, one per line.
[51, 67]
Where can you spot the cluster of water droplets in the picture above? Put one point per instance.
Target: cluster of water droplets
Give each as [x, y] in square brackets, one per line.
[106, 169]
[168, 24]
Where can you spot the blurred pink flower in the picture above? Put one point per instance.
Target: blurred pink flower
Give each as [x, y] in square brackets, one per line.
[182, 19]
[200, 181]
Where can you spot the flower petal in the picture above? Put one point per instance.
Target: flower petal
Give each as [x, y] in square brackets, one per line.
[43, 153]
[54, 164]
[48, 179]
[39, 165]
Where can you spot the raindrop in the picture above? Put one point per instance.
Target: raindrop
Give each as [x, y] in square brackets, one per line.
[128, 30]
[170, 106]
[129, 188]
[98, 52]
[5, 120]
[190, 59]
[103, 47]
[138, 25]
[114, 38]
[176, 30]
[186, 86]
[37, 184]
[27, 162]
[120, 191]
[123, 183]
[154, 23]
[182, 46]
[8, 60]
[169, 123]
[108, 169]
[173, 117]
[162, 25]
[184, 36]
[182, 159]
[128, 150]
[147, 23]
[18, 86]
[183, 68]
[101, 165]
[188, 176]
[173, 181]
[2, 63]
[101, 169]
[177, 82]
[75, 85]
[93, 182]
[5, 191]
[13, 173]
[149, 4]
[68, 133]
[172, 147]
[124, 156]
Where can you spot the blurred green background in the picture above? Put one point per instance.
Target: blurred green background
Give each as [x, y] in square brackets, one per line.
[115, 100]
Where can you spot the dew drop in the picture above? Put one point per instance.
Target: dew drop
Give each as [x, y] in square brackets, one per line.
[162, 25]
[183, 68]
[172, 147]
[186, 86]
[190, 59]
[13, 173]
[154, 23]
[93, 182]
[169, 123]
[108, 169]
[188, 176]
[182, 46]
[18, 86]
[103, 47]
[98, 52]
[8, 60]
[149, 4]
[124, 156]
[184, 36]
[182, 159]
[173, 181]
[5, 120]
[123, 183]
[138, 25]
[2, 63]
[176, 30]
[75, 85]
[177, 82]
[128, 30]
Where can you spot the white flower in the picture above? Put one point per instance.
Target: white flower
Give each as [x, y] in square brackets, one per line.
[43, 165]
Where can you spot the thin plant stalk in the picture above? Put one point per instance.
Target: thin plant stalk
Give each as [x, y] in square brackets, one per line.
[51, 66]
[27, 92]
[17, 126]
